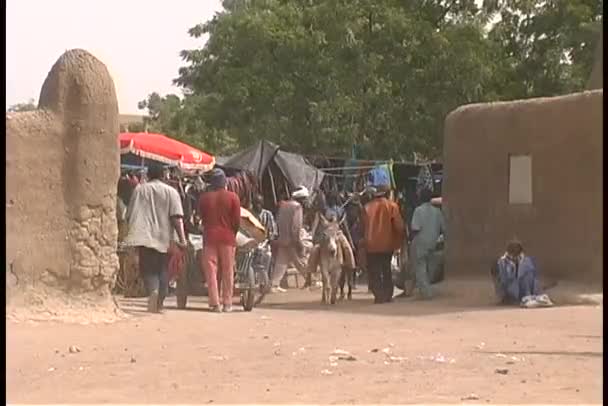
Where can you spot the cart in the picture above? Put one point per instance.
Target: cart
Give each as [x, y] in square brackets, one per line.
[251, 273]
[251, 277]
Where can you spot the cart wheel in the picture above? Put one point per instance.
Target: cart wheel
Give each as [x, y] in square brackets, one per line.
[248, 300]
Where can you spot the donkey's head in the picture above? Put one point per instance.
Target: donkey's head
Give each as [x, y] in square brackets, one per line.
[329, 235]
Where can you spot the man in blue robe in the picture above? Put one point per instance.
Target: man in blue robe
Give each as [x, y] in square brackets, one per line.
[516, 279]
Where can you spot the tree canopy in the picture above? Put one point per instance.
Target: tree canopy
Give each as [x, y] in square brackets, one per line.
[21, 107]
[319, 76]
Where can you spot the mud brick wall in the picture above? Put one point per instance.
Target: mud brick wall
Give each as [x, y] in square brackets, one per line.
[62, 166]
[562, 227]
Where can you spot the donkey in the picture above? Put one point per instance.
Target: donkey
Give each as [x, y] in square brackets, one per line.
[334, 251]
[347, 278]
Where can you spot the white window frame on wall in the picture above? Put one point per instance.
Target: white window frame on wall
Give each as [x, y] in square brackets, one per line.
[520, 179]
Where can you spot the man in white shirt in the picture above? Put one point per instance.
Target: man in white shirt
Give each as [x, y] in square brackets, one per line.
[155, 216]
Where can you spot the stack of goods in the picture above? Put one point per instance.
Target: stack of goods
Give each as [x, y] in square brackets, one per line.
[252, 226]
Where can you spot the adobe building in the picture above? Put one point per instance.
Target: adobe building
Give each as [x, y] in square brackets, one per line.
[528, 169]
[62, 166]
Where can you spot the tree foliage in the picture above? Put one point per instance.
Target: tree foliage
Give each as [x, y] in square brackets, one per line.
[548, 46]
[319, 76]
[185, 119]
[21, 107]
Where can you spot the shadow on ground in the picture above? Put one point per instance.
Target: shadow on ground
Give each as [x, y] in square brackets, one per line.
[453, 296]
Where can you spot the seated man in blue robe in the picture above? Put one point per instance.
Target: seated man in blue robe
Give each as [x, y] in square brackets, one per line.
[516, 280]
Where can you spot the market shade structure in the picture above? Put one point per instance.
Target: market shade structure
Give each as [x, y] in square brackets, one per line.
[257, 158]
[163, 149]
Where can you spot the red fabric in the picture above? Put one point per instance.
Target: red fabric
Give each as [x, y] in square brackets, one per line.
[177, 261]
[218, 261]
[220, 212]
[164, 149]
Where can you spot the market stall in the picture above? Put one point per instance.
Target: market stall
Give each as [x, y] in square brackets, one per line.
[276, 170]
[138, 149]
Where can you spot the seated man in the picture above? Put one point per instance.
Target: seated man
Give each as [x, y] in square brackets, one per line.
[515, 278]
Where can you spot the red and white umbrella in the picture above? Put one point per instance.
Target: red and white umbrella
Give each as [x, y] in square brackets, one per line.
[167, 150]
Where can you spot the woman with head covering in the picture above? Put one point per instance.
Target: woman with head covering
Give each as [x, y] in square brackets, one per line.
[220, 212]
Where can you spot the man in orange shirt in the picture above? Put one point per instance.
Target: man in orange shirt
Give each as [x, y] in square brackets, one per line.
[384, 233]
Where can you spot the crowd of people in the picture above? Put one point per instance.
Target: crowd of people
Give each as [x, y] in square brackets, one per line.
[372, 231]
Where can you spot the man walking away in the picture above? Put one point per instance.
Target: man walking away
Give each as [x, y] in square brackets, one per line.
[384, 233]
[427, 225]
[289, 246]
[220, 212]
[154, 215]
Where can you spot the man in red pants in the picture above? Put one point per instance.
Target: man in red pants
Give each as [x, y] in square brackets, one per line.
[220, 212]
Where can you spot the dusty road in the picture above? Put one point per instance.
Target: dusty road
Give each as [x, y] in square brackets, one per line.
[404, 352]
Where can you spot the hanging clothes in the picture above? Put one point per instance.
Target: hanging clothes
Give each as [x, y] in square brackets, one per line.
[382, 175]
[425, 179]
[245, 185]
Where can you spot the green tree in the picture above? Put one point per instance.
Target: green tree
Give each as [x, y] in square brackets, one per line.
[136, 127]
[596, 79]
[548, 46]
[21, 107]
[164, 114]
[185, 119]
[322, 75]
[318, 76]
[161, 110]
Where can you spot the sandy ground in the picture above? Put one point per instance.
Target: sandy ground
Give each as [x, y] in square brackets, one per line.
[405, 352]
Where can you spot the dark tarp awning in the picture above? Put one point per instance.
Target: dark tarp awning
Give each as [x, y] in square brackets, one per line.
[257, 158]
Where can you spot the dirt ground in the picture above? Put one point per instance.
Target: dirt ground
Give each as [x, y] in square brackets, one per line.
[452, 350]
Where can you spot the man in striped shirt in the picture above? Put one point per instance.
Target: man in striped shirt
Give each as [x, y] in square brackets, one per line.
[265, 217]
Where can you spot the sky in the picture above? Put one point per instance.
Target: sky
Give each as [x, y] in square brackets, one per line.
[138, 40]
